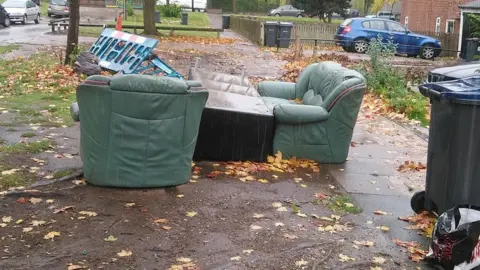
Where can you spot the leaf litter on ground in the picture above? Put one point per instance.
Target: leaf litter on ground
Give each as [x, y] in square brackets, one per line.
[423, 222]
[416, 254]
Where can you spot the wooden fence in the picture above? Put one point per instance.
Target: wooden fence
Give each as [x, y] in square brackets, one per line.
[322, 31]
[250, 28]
[449, 42]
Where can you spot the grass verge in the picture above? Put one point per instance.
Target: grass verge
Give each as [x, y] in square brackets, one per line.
[63, 173]
[8, 48]
[343, 204]
[27, 148]
[16, 179]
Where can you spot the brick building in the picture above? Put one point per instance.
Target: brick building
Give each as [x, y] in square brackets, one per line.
[434, 16]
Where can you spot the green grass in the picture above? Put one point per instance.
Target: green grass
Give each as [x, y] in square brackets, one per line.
[29, 135]
[294, 19]
[8, 48]
[17, 179]
[44, 7]
[63, 173]
[27, 148]
[343, 204]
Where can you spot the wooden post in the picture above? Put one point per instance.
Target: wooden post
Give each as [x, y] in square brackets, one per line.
[172, 32]
[314, 54]
[297, 48]
[53, 27]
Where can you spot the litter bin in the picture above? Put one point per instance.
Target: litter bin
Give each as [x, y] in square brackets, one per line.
[284, 34]
[453, 174]
[185, 18]
[270, 30]
[226, 21]
[157, 17]
[472, 49]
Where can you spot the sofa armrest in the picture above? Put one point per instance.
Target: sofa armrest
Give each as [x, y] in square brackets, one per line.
[285, 90]
[299, 114]
[75, 112]
[191, 84]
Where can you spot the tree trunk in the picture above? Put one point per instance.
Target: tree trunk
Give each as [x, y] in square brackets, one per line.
[168, 2]
[73, 25]
[149, 17]
[329, 17]
[234, 6]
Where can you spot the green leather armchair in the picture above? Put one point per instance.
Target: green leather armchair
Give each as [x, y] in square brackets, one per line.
[138, 131]
[320, 127]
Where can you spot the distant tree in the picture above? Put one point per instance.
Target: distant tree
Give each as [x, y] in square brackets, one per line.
[73, 27]
[321, 8]
[377, 5]
[149, 27]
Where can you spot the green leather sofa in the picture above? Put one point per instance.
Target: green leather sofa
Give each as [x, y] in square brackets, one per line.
[315, 117]
[138, 131]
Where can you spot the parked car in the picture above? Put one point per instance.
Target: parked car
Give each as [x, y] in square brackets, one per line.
[22, 11]
[354, 34]
[287, 10]
[383, 15]
[454, 73]
[4, 19]
[58, 8]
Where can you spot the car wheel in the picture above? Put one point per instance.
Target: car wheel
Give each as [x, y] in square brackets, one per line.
[37, 19]
[299, 16]
[277, 15]
[6, 23]
[427, 52]
[49, 15]
[24, 19]
[360, 45]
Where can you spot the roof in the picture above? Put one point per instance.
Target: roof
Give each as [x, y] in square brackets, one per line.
[472, 5]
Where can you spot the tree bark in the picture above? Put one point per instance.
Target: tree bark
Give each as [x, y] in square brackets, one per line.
[73, 26]
[149, 17]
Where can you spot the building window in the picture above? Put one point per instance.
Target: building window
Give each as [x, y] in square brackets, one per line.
[406, 22]
[437, 25]
[450, 27]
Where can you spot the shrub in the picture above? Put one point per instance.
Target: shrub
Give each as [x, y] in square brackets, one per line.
[172, 10]
[130, 11]
[389, 82]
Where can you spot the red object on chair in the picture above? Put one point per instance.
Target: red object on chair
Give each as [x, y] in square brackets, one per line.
[118, 26]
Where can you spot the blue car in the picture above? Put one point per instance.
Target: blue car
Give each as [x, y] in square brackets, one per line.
[355, 33]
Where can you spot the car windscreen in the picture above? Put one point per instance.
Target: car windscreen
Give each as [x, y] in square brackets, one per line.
[346, 22]
[58, 2]
[14, 4]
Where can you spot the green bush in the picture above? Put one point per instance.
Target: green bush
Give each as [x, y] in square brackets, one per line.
[172, 10]
[130, 11]
[389, 82]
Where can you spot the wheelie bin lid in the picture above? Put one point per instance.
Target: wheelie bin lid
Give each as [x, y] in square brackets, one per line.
[271, 23]
[466, 90]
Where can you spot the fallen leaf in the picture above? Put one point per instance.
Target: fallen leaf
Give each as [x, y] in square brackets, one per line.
[166, 228]
[255, 227]
[303, 185]
[282, 209]
[9, 172]
[255, 215]
[160, 220]
[19, 221]
[377, 268]
[191, 214]
[348, 204]
[27, 229]
[335, 217]
[300, 263]
[355, 247]
[50, 201]
[275, 176]
[279, 224]
[88, 213]
[378, 260]
[36, 223]
[3, 225]
[236, 258]
[110, 238]
[129, 204]
[247, 251]
[263, 181]
[297, 179]
[314, 215]
[379, 212]
[184, 260]
[124, 253]
[180, 196]
[384, 228]
[7, 219]
[345, 258]
[51, 235]
[80, 182]
[277, 204]
[321, 196]
[301, 215]
[63, 209]
[193, 181]
[290, 236]
[21, 200]
[35, 200]
[71, 266]
[364, 243]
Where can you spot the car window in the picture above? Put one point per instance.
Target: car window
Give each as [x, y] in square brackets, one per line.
[58, 2]
[346, 22]
[376, 25]
[395, 27]
[14, 4]
[30, 4]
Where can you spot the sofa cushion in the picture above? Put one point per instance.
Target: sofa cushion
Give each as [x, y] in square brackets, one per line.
[148, 84]
[271, 102]
[311, 99]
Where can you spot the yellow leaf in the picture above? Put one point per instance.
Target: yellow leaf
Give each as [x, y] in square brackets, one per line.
[255, 227]
[166, 228]
[19, 221]
[335, 217]
[74, 267]
[255, 215]
[282, 209]
[275, 176]
[184, 260]
[378, 260]
[124, 253]
[297, 179]
[379, 268]
[80, 182]
[263, 181]
[88, 213]
[279, 224]
[36, 223]
[110, 238]
[247, 251]
[3, 225]
[51, 235]
[236, 258]
[348, 204]
[27, 229]
[301, 263]
[301, 215]
[129, 204]
[191, 214]
[364, 243]
[50, 201]
[35, 200]
[247, 178]
[193, 181]
[180, 196]
[345, 258]
[195, 176]
[9, 172]
[277, 204]
[215, 164]
[384, 228]
[7, 219]
[303, 185]
[160, 220]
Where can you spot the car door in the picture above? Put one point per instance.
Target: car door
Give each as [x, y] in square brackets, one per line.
[399, 35]
[30, 10]
[3, 14]
[374, 28]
